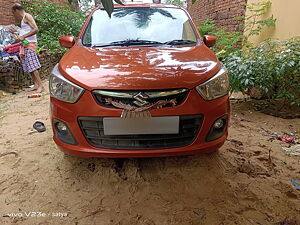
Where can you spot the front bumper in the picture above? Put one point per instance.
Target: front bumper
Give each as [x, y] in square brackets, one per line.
[88, 107]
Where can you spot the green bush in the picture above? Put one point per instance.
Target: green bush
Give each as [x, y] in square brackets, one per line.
[175, 2]
[54, 21]
[227, 41]
[272, 67]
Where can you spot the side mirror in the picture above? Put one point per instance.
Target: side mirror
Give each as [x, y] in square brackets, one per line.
[209, 40]
[66, 41]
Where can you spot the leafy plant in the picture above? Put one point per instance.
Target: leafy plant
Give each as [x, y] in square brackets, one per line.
[254, 21]
[108, 5]
[227, 41]
[272, 67]
[175, 2]
[54, 21]
[86, 6]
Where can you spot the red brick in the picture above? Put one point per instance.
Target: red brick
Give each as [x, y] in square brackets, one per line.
[6, 17]
[222, 12]
[5, 12]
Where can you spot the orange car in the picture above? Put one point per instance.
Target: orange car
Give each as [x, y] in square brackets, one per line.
[142, 83]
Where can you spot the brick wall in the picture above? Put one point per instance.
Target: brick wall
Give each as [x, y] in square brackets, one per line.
[6, 16]
[5, 12]
[222, 12]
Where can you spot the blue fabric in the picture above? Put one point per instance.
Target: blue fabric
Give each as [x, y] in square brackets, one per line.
[295, 184]
[5, 54]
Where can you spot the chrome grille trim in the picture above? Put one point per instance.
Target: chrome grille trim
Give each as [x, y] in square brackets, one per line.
[138, 98]
[130, 94]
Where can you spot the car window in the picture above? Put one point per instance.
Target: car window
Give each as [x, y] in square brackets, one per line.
[138, 23]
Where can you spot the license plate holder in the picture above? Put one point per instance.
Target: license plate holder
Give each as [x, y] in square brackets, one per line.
[140, 126]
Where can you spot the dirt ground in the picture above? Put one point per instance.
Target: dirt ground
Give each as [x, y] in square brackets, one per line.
[247, 182]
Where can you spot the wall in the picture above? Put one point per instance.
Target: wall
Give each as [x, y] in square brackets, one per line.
[6, 17]
[287, 25]
[5, 12]
[222, 12]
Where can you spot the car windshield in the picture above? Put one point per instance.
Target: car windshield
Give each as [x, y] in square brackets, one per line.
[139, 26]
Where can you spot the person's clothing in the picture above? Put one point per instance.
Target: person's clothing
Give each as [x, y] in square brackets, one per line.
[29, 58]
[30, 61]
[25, 29]
[32, 46]
[11, 49]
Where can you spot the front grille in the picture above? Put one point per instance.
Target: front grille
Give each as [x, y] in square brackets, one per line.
[140, 98]
[93, 130]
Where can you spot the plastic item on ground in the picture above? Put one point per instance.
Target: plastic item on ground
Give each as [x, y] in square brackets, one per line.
[3, 93]
[220, 52]
[295, 184]
[293, 150]
[286, 139]
[39, 126]
[35, 96]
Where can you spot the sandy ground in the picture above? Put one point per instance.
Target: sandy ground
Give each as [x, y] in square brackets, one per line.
[247, 182]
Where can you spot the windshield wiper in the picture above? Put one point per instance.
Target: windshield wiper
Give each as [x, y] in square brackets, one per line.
[130, 42]
[180, 42]
[144, 42]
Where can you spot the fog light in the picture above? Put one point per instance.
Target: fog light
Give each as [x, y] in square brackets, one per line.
[217, 130]
[219, 124]
[61, 127]
[63, 133]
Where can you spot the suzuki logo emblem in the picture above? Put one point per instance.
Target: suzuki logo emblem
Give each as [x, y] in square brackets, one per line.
[140, 99]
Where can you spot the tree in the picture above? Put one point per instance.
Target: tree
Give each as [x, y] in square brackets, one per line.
[54, 21]
[74, 4]
[108, 5]
[175, 2]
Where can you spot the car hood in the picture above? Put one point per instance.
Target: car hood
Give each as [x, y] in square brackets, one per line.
[139, 67]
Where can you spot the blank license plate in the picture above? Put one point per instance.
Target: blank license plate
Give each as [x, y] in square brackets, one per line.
[148, 125]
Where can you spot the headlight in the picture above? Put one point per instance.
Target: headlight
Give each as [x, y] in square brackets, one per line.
[63, 89]
[215, 87]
